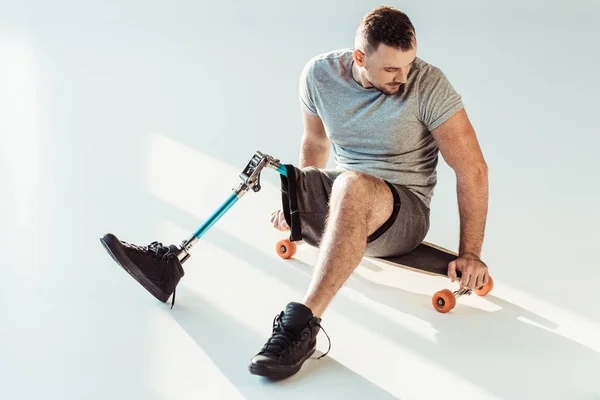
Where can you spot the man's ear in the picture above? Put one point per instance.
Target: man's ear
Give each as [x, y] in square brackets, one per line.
[359, 57]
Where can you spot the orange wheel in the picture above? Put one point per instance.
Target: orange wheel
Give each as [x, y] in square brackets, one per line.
[443, 301]
[285, 248]
[485, 289]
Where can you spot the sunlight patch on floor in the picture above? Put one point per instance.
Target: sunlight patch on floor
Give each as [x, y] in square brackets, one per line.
[395, 367]
[19, 126]
[569, 325]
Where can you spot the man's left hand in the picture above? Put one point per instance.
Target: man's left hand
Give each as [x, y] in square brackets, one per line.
[474, 272]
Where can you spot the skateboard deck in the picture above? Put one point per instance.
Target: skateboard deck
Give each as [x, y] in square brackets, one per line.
[425, 258]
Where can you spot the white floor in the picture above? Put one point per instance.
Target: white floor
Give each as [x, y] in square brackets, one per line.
[136, 119]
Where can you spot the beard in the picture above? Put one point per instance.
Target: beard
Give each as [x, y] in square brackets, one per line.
[388, 89]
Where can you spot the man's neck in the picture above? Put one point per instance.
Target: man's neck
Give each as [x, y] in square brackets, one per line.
[356, 75]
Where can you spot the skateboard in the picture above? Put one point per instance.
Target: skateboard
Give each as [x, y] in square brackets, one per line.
[426, 258]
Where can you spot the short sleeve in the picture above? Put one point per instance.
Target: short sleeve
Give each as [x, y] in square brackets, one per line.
[307, 88]
[438, 101]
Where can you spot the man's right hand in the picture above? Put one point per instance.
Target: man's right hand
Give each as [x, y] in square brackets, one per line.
[278, 221]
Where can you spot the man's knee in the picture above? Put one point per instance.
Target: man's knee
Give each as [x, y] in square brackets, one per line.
[370, 193]
[359, 185]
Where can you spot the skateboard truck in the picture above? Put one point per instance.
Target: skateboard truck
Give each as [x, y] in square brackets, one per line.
[462, 292]
[250, 177]
[441, 298]
[445, 300]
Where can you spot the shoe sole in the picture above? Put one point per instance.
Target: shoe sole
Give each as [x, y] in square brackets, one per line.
[278, 371]
[113, 247]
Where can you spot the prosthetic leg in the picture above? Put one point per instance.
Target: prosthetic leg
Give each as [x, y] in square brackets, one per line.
[250, 177]
[158, 268]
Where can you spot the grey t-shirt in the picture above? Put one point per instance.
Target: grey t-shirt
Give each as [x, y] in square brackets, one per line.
[378, 134]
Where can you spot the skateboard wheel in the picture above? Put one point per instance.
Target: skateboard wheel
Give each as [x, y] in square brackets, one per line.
[286, 248]
[485, 289]
[443, 301]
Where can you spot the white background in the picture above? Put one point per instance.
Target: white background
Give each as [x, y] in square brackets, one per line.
[136, 117]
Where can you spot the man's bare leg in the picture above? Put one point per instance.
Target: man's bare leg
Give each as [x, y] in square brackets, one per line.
[359, 205]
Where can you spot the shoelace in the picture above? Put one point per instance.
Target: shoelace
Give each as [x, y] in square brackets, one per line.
[169, 255]
[174, 288]
[284, 339]
[328, 340]
[154, 247]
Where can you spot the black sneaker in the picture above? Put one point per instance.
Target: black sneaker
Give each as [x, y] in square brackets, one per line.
[155, 267]
[293, 341]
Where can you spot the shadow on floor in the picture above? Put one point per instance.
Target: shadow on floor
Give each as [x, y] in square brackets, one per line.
[496, 351]
[231, 345]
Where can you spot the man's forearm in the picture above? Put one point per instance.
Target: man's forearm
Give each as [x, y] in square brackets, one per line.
[313, 153]
[472, 192]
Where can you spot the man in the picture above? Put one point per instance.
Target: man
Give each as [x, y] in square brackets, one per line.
[387, 114]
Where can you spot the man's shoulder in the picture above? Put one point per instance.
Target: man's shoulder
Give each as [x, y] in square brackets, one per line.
[426, 69]
[427, 73]
[333, 59]
[333, 54]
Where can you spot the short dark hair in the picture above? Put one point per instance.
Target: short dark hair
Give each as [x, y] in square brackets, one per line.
[389, 26]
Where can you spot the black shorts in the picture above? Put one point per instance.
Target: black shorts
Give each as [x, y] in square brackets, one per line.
[305, 199]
